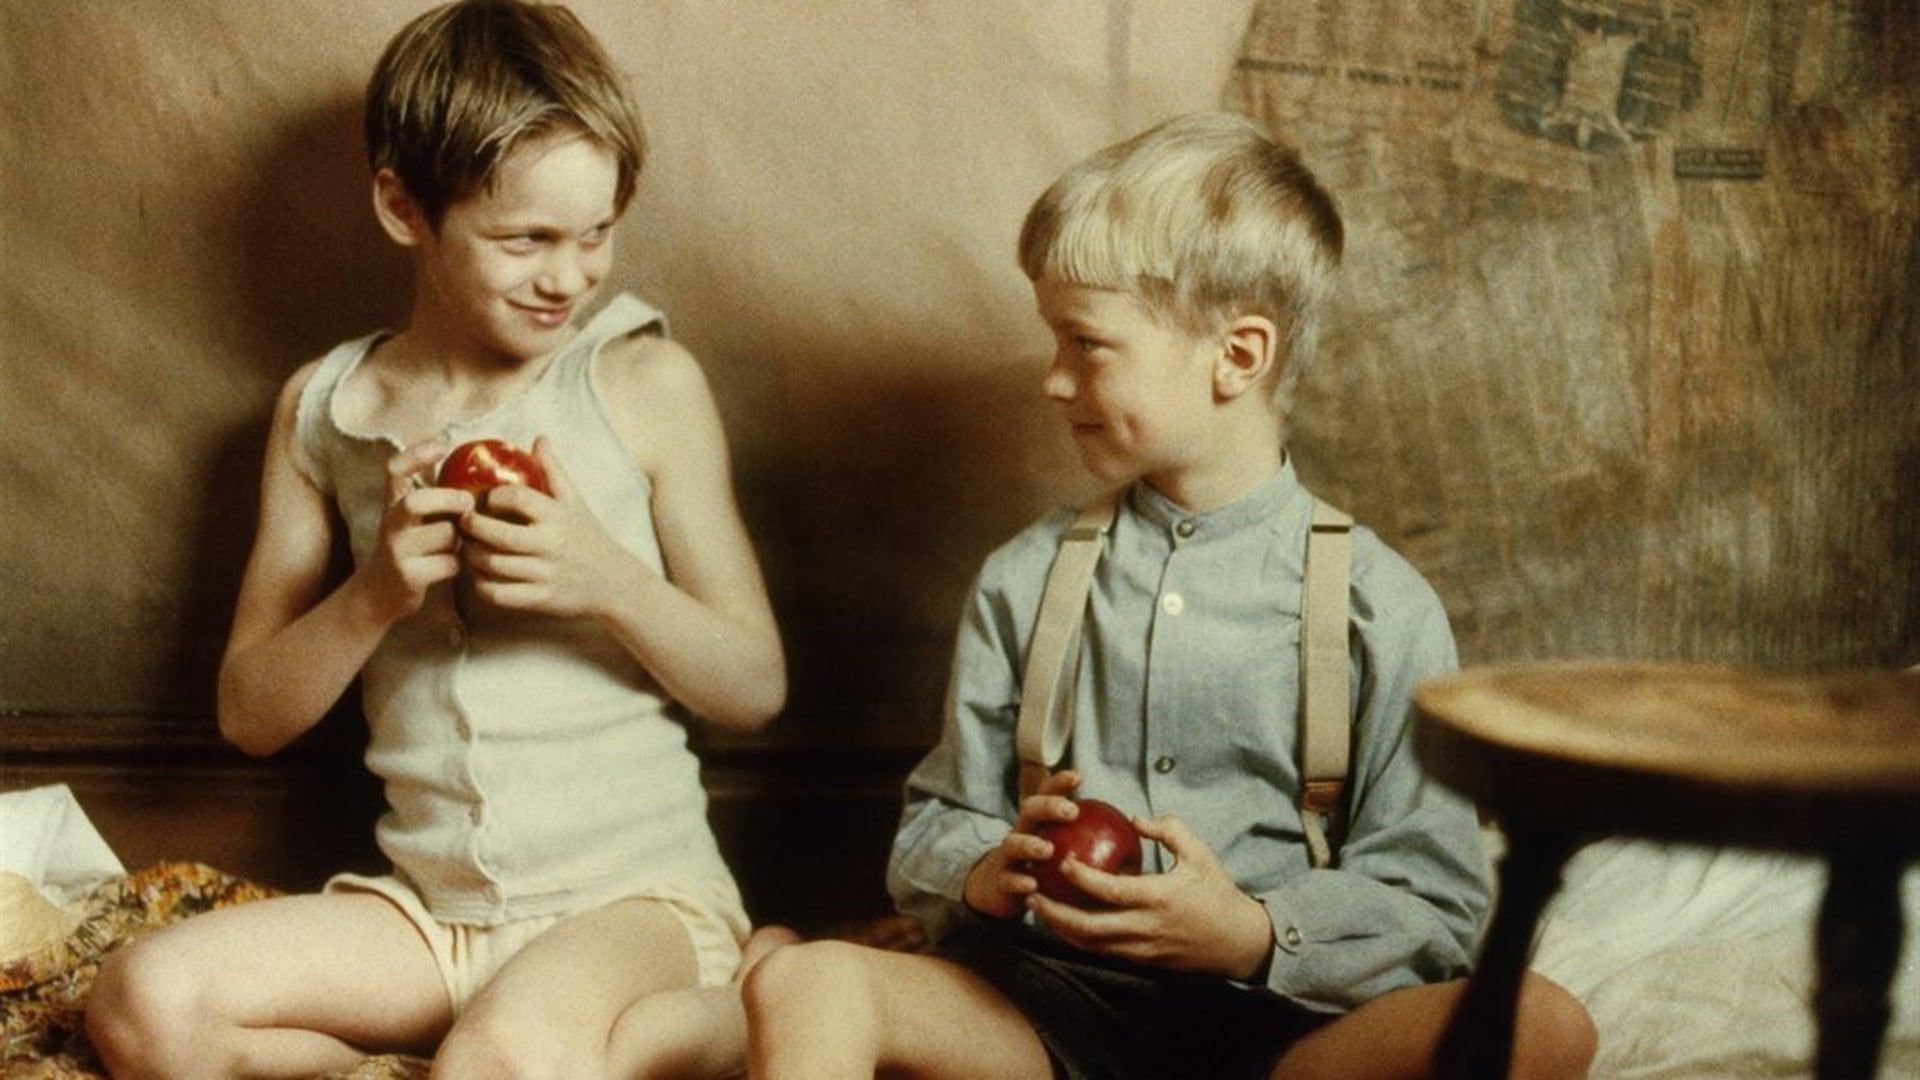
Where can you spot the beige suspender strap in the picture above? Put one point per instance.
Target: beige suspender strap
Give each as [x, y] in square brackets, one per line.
[1324, 676]
[1053, 657]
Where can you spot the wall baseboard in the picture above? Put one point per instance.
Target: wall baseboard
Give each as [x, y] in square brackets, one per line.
[804, 824]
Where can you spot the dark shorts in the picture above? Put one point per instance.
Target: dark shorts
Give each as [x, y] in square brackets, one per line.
[1105, 1019]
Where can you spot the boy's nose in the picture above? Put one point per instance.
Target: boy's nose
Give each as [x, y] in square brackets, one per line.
[1058, 382]
[564, 274]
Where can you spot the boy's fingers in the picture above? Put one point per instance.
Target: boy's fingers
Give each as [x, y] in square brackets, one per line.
[434, 538]
[492, 531]
[1060, 783]
[1171, 832]
[516, 499]
[417, 458]
[1041, 808]
[557, 477]
[1186, 846]
[432, 501]
[1063, 918]
[1018, 884]
[1118, 890]
[442, 567]
[1019, 845]
[1079, 926]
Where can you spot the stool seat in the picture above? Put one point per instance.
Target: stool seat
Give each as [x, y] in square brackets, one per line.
[1561, 753]
[1684, 752]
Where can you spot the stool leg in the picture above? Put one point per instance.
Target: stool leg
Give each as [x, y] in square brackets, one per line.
[1478, 1043]
[1858, 945]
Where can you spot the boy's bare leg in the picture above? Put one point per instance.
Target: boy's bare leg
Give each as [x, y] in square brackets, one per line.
[292, 986]
[1394, 1036]
[552, 1009]
[692, 1032]
[834, 1009]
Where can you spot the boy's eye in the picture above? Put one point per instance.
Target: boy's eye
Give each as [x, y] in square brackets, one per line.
[522, 244]
[1086, 344]
[596, 236]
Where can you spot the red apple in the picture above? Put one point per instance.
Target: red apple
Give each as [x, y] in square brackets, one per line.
[1101, 837]
[484, 464]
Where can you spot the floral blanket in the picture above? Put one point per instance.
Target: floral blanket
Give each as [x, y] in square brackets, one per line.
[43, 996]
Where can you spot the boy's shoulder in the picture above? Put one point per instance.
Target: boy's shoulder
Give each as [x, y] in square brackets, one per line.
[1388, 591]
[636, 363]
[1021, 562]
[646, 363]
[317, 375]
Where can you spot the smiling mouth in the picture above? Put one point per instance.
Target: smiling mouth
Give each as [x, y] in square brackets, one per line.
[546, 316]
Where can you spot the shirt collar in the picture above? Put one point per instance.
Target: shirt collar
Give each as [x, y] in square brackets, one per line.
[1260, 506]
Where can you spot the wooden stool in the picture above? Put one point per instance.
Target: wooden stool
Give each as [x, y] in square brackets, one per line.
[1564, 753]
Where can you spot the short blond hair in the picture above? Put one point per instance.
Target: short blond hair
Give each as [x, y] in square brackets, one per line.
[1206, 218]
[461, 85]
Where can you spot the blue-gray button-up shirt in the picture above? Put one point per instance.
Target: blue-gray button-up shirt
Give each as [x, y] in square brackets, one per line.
[1188, 704]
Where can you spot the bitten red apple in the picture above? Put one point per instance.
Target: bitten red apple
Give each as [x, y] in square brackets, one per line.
[1101, 837]
[484, 464]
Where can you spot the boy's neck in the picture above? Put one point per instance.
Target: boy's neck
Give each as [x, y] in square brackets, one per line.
[1224, 475]
[434, 343]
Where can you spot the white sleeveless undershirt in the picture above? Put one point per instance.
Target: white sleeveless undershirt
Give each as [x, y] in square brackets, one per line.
[532, 766]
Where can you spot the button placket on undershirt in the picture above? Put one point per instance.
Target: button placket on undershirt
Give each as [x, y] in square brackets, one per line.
[458, 637]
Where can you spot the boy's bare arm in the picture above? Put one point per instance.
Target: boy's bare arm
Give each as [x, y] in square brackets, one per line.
[295, 648]
[706, 629]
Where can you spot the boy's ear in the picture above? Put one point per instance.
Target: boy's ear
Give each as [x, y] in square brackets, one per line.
[399, 214]
[1248, 354]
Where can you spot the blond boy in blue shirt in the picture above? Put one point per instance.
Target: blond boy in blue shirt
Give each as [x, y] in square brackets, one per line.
[1183, 274]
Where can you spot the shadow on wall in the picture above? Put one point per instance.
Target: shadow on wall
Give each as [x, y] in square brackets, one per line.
[871, 531]
[298, 249]
[309, 251]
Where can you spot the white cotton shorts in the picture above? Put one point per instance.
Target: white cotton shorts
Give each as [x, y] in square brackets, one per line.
[469, 956]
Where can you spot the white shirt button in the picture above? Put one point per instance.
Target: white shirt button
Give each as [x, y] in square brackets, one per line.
[1185, 529]
[1163, 765]
[1173, 603]
[1293, 937]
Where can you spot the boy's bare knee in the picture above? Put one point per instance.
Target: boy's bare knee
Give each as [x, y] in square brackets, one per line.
[804, 974]
[488, 1043]
[146, 1010]
[1555, 1036]
[513, 1045]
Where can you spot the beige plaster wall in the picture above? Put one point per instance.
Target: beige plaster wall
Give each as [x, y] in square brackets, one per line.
[1638, 417]
[828, 220]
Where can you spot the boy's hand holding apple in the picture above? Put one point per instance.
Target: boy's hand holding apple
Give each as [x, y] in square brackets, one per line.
[1053, 828]
[537, 547]
[418, 542]
[1191, 918]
